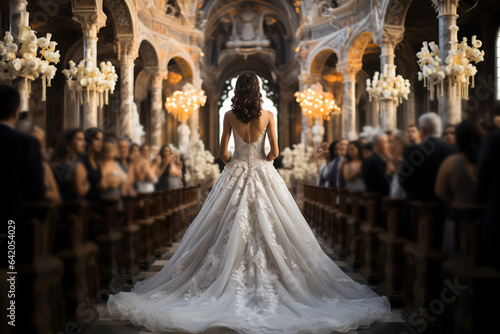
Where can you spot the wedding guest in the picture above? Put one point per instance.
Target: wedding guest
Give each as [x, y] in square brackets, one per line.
[456, 179]
[390, 135]
[175, 171]
[161, 169]
[487, 192]
[352, 167]
[413, 134]
[21, 169]
[336, 178]
[396, 150]
[449, 134]
[69, 171]
[52, 194]
[93, 138]
[367, 150]
[374, 169]
[114, 178]
[324, 169]
[123, 154]
[420, 164]
[145, 176]
[363, 141]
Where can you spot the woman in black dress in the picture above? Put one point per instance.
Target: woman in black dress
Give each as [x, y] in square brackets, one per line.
[162, 169]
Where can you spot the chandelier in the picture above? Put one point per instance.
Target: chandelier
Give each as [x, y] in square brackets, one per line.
[182, 104]
[457, 65]
[317, 103]
[86, 77]
[26, 60]
[388, 86]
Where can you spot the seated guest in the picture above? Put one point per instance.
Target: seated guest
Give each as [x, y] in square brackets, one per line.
[413, 134]
[21, 168]
[449, 134]
[374, 169]
[456, 178]
[161, 169]
[352, 167]
[67, 166]
[175, 171]
[420, 164]
[93, 140]
[335, 178]
[52, 194]
[487, 193]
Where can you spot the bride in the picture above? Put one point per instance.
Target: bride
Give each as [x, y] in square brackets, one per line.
[249, 260]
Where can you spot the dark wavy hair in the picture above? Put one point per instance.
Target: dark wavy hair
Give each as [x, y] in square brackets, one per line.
[247, 100]
[63, 146]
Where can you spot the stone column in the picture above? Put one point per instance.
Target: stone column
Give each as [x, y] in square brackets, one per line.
[305, 81]
[17, 8]
[128, 50]
[156, 108]
[450, 106]
[349, 71]
[387, 106]
[91, 22]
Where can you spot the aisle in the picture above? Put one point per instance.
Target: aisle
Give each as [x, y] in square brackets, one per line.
[106, 325]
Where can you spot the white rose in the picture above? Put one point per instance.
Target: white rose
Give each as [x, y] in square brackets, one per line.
[17, 64]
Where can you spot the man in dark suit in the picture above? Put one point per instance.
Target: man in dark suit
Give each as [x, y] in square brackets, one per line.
[336, 178]
[488, 192]
[21, 171]
[374, 169]
[420, 165]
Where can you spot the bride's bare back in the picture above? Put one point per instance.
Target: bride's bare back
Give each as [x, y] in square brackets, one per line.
[256, 127]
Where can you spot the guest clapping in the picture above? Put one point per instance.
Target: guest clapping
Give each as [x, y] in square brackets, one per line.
[162, 168]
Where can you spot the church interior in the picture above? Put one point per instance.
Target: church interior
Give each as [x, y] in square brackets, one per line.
[330, 71]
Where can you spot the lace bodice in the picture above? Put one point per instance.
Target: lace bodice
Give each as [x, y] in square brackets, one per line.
[252, 154]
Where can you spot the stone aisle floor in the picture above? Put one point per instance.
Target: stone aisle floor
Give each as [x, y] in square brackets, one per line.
[106, 325]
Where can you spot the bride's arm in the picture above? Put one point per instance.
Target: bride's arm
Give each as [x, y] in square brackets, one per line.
[271, 133]
[224, 141]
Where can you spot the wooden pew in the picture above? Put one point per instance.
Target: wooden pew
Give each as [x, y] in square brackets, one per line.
[341, 218]
[39, 302]
[423, 280]
[472, 284]
[109, 242]
[353, 238]
[334, 208]
[80, 258]
[130, 240]
[157, 214]
[370, 230]
[392, 260]
[145, 223]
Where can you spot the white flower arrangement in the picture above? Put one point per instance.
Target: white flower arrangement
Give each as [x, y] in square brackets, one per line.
[388, 85]
[34, 58]
[457, 64]
[299, 165]
[86, 77]
[200, 166]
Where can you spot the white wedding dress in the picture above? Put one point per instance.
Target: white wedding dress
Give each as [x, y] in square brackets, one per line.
[249, 262]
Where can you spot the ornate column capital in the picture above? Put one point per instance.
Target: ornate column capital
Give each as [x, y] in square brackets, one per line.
[91, 21]
[349, 70]
[446, 7]
[390, 35]
[157, 78]
[127, 49]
